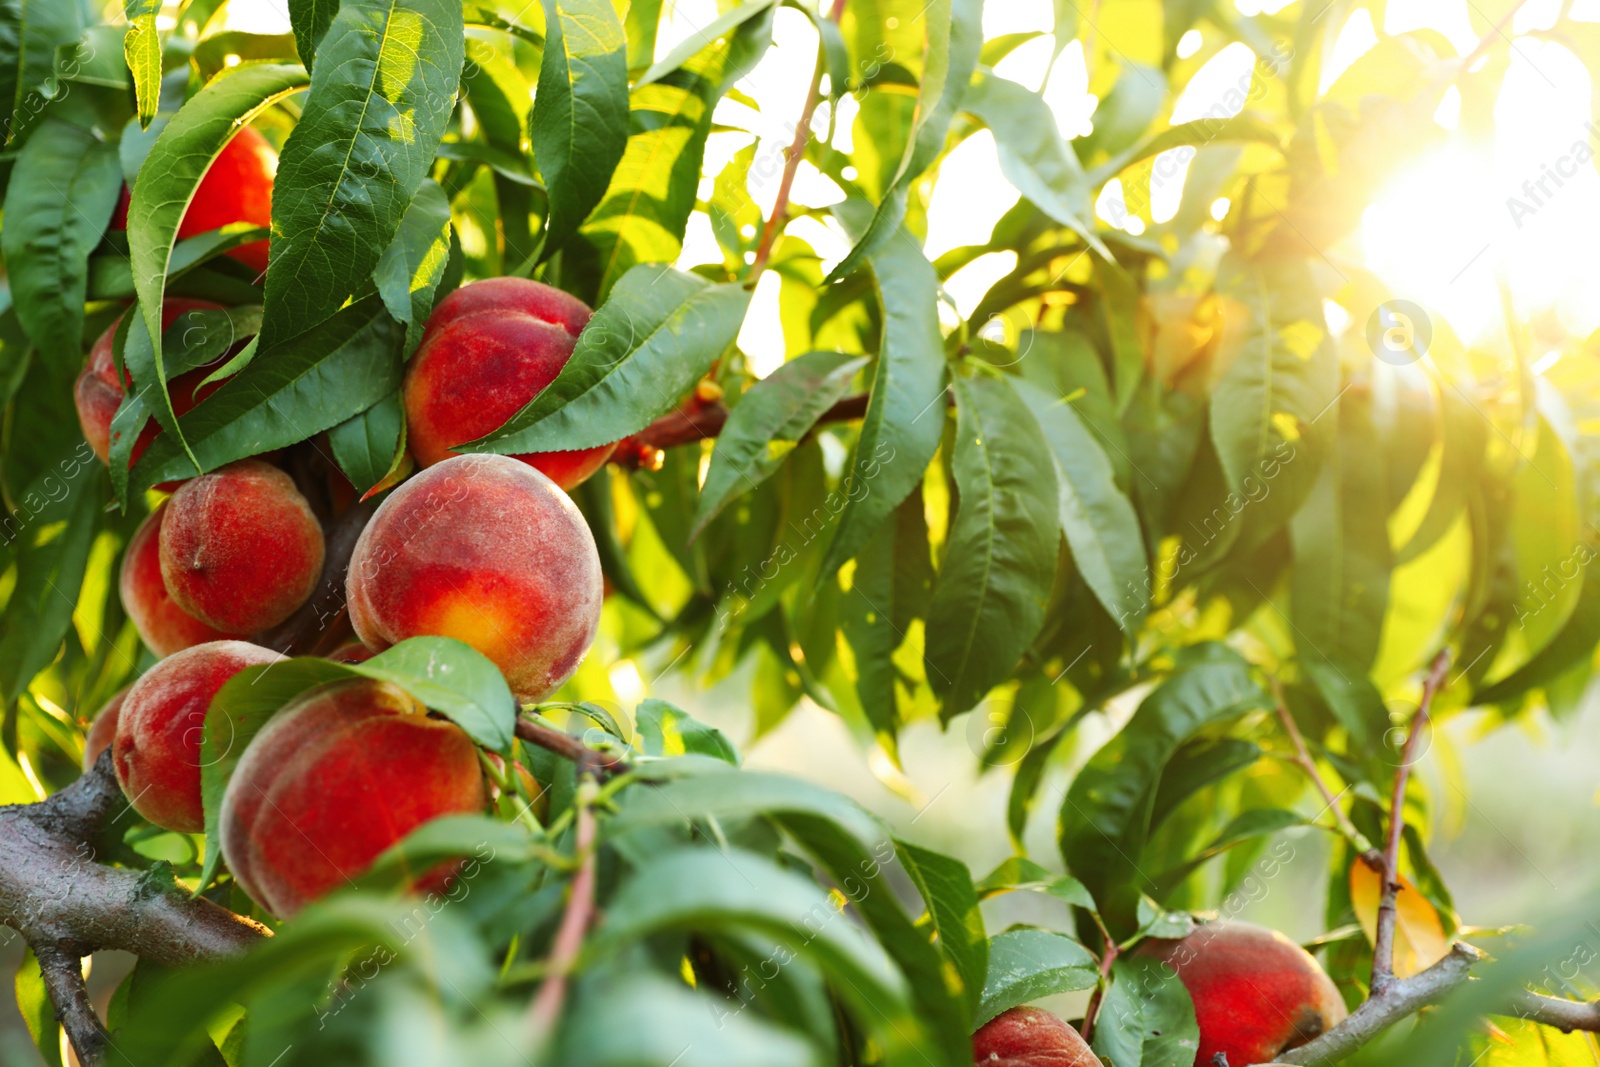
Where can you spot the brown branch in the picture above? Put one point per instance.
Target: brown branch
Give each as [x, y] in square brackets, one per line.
[1383, 942]
[545, 1010]
[63, 979]
[695, 422]
[1302, 758]
[1565, 1015]
[569, 747]
[793, 155]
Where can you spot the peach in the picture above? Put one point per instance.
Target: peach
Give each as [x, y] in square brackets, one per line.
[354, 652]
[334, 779]
[99, 391]
[237, 188]
[240, 548]
[103, 730]
[1029, 1037]
[1256, 993]
[165, 627]
[157, 747]
[486, 550]
[488, 349]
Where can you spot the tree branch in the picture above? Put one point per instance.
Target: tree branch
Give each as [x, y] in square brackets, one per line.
[569, 747]
[1302, 758]
[1564, 1015]
[63, 979]
[1383, 942]
[545, 1011]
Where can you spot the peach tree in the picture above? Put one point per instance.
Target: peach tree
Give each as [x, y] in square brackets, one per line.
[279, 306]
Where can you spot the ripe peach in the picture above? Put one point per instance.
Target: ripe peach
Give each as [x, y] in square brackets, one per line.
[240, 548]
[1256, 993]
[103, 730]
[488, 349]
[237, 188]
[99, 391]
[157, 749]
[486, 550]
[165, 627]
[335, 778]
[1029, 1037]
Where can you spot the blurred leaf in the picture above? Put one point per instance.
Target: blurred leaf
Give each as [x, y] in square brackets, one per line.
[580, 115]
[30, 33]
[770, 417]
[38, 1013]
[1246, 826]
[1027, 964]
[1419, 937]
[665, 730]
[721, 26]
[1019, 872]
[367, 135]
[645, 348]
[1146, 1018]
[63, 190]
[947, 889]
[988, 603]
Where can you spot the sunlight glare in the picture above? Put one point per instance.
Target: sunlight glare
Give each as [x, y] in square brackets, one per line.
[761, 336]
[969, 198]
[1447, 17]
[1218, 90]
[968, 286]
[1356, 39]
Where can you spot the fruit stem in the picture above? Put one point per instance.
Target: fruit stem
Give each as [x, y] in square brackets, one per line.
[1093, 1010]
[792, 156]
[1383, 942]
[545, 1010]
[568, 747]
[1302, 758]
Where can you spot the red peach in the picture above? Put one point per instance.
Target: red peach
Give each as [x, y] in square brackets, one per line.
[240, 548]
[165, 627]
[99, 391]
[1256, 993]
[157, 748]
[237, 188]
[334, 779]
[486, 550]
[103, 730]
[488, 349]
[1029, 1037]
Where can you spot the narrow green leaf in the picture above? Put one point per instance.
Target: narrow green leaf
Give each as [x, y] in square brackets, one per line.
[1246, 826]
[1001, 556]
[1033, 157]
[365, 445]
[142, 49]
[336, 371]
[665, 730]
[369, 131]
[63, 190]
[167, 182]
[644, 349]
[1019, 872]
[954, 36]
[580, 115]
[769, 418]
[952, 902]
[723, 24]
[1146, 1018]
[1105, 817]
[30, 33]
[38, 1013]
[409, 272]
[310, 20]
[1027, 964]
[1098, 519]
[906, 413]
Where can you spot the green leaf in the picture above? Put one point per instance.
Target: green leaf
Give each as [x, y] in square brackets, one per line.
[310, 20]
[1196, 134]
[1199, 763]
[340, 369]
[1246, 826]
[142, 49]
[954, 37]
[1028, 964]
[219, 51]
[654, 188]
[1033, 157]
[369, 131]
[1097, 517]
[408, 274]
[763, 427]
[61, 196]
[947, 889]
[446, 675]
[167, 182]
[693, 888]
[365, 445]
[722, 25]
[669, 1024]
[1146, 1018]
[33, 1002]
[905, 415]
[665, 730]
[580, 115]
[30, 33]
[644, 349]
[1001, 557]
[1105, 818]
[1019, 872]
[53, 527]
